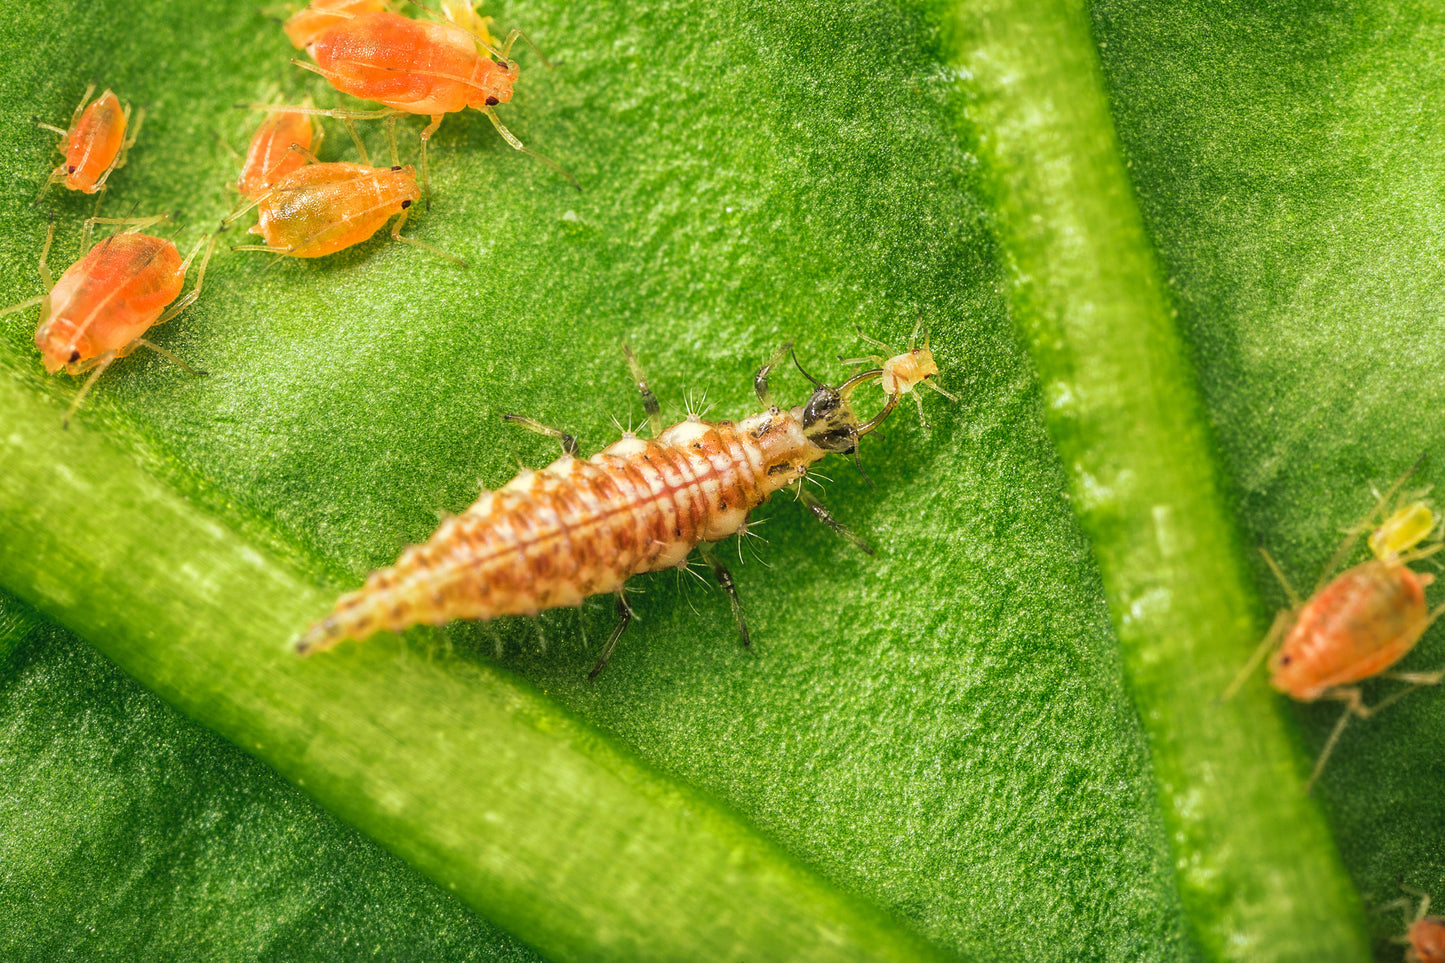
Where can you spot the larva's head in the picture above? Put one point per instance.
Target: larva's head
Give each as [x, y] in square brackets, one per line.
[829, 421]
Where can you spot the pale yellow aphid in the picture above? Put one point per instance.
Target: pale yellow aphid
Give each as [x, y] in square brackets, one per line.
[904, 372]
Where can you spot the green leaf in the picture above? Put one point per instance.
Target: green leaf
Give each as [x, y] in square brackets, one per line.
[947, 742]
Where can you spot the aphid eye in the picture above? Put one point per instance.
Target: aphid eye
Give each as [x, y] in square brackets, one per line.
[397, 168]
[74, 356]
[70, 169]
[1286, 659]
[405, 205]
[492, 101]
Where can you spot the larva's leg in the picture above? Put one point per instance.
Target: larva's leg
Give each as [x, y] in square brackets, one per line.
[624, 615]
[826, 517]
[649, 400]
[725, 579]
[760, 381]
[569, 442]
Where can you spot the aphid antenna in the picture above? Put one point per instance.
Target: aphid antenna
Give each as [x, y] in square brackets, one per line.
[511, 138]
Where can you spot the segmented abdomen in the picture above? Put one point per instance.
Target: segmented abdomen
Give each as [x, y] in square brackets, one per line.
[580, 527]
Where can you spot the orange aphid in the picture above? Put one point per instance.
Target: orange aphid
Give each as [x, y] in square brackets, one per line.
[1357, 624]
[95, 144]
[304, 26]
[1424, 934]
[270, 157]
[321, 208]
[102, 306]
[415, 66]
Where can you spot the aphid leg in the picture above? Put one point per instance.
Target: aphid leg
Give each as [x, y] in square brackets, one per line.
[195, 292]
[80, 107]
[311, 157]
[44, 266]
[355, 139]
[426, 133]
[725, 579]
[569, 442]
[96, 366]
[396, 236]
[1282, 620]
[391, 140]
[170, 356]
[1362, 526]
[650, 403]
[826, 517]
[1294, 600]
[624, 616]
[760, 380]
[1354, 706]
[511, 138]
[129, 142]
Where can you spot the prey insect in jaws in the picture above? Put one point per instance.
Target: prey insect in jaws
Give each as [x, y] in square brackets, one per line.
[581, 527]
[1358, 624]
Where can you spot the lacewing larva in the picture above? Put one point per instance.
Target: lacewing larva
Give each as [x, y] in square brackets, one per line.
[1359, 623]
[582, 527]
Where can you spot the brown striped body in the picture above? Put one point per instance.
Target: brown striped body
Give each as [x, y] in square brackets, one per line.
[580, 527]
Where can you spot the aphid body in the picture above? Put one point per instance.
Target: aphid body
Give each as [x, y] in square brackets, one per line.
[320, 209]
[270, 156]
[102, 305]
[416, 66]
[94, 144]
[304, 26]
[580, 527]
[1427, 940]
[1358, 624]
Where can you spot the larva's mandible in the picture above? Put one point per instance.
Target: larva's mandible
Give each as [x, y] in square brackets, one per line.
[581, 527]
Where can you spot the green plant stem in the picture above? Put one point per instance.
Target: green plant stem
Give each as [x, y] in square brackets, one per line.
[1256, 869]
[473, 777]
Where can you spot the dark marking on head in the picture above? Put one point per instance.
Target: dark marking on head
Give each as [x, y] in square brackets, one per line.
[829, 422]
[405, 205]
[74, 356]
